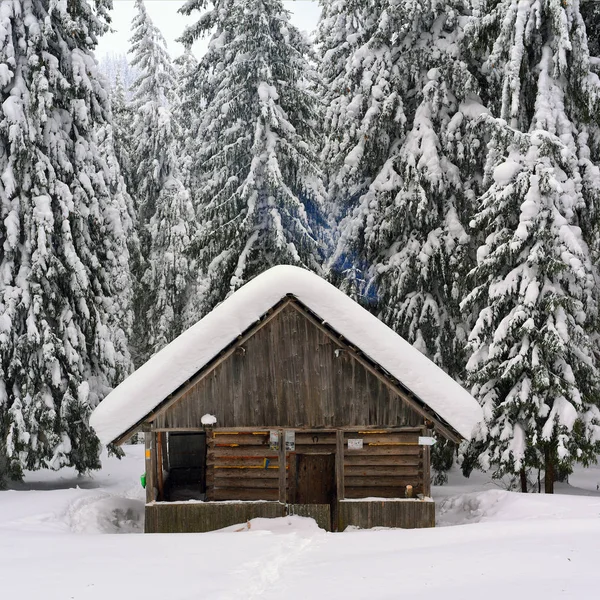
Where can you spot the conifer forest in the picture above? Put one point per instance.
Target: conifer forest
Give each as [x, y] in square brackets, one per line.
[437, 160]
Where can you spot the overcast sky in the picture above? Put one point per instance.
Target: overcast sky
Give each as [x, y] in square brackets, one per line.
[305, 14]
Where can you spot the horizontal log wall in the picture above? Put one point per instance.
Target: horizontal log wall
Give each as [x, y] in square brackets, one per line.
[241, 466]
[199, 517]
[407, 514]
[386, 464]
[290, 373]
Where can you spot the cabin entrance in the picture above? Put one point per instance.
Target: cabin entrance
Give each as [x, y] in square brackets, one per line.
[185, 461]
[311, 488]
[315, 479]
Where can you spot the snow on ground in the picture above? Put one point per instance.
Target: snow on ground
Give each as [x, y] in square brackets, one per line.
[108, 501]
[493, 542]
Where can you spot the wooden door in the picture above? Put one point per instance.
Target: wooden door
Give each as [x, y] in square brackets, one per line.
[315, 479]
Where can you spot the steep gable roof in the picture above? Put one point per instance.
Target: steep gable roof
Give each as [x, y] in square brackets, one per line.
[175, 364]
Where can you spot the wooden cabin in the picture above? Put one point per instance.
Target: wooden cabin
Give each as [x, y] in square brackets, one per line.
[288, 398]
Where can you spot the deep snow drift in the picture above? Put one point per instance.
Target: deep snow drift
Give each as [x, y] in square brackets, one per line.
[492, 542]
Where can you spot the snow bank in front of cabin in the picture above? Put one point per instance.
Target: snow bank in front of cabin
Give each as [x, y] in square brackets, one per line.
[504, 545]
[142, 391]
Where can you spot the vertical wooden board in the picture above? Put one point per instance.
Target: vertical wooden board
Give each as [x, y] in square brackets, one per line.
[159, 465]
[291, 478]
[153, 467]
[148, 466]
[210, 441]
[282, 471]
[339, 464]
[427, 467]
[149, 525]
[238, 358]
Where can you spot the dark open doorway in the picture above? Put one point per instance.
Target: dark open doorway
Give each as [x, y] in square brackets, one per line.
[186, 466]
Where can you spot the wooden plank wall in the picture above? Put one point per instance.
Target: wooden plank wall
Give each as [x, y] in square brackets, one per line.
[408, 514]
[198, 517]
[387, 463]
[321, 513]
[240, 465]
[291, 374]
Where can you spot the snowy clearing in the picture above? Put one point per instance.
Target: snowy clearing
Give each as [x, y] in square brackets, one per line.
[503, 543]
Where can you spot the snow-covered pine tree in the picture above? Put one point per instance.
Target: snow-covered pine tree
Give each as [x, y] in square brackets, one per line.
[114, 151]
[64, 263]
[164, 209]
[259, 193]
[153, 123]
[408, 226]
[533, 363]
[167, 276]
[590, 11]
[354, 70]
[186, 112]
[122, 132]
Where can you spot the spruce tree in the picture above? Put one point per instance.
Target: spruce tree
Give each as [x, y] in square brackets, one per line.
[64, 273]
[590, 11]
[409, 225]
[122, 132]
[533, 363]
[153, 124]
[361, 104]
[167, 277]
[259, 191]
[164, 210]
[186, 113]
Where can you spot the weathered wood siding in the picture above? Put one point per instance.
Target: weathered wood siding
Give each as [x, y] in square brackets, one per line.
[241, 466]
[387, 463]
[290, 373]
[407, 514]
[198, 517]
[321, 513]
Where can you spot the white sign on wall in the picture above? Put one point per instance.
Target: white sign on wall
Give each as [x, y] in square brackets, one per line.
[356, 444]
[426, 441]
[290, 441]
[274, 440]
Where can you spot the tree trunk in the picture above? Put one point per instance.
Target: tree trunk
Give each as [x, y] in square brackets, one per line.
[549, 470]
[523, 476]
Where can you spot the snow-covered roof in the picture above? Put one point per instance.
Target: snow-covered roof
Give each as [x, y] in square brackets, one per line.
[175, 364]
